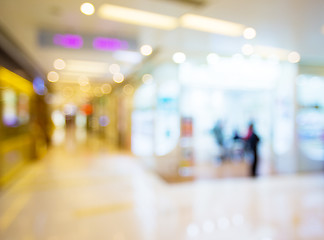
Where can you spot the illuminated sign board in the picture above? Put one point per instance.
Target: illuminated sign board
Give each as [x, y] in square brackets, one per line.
[86, 41]
[109, 44]
[68, 40]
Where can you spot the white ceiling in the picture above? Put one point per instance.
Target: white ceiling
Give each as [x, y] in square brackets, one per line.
[288, 24]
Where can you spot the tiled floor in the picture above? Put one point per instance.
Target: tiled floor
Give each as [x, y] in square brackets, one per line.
[86, 193]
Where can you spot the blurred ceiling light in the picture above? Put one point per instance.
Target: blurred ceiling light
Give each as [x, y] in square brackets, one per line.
[247, 49]
[118, 77]
[128, 89]
[212, 58]
[106, 88]
[87, 8]
[179, 57]
[114, 68]
[294, 57]
[59, 64]
[52, 76]
[127, 56]
[211, 25]
[86, 66]
[249, 33]
[138, 17]
[147, 78]
[146, 50]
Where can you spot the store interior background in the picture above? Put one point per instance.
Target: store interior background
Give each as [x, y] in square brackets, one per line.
[107, 114]
[91, 78]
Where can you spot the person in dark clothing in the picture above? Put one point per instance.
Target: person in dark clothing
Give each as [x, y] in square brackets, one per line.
[252, 142]
[218, 133]
[237, 148]
[236, 136]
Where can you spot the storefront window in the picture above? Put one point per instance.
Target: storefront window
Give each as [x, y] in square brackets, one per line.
[310, 117]
[9, 114]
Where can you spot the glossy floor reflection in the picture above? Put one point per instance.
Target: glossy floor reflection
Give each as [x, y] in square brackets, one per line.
[84, 193]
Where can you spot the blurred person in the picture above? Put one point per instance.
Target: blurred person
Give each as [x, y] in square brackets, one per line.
[252, 142]
[219, 136]
[236, 136]
[237, 148]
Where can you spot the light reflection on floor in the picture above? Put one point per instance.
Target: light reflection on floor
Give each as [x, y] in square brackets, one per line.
[85, 192]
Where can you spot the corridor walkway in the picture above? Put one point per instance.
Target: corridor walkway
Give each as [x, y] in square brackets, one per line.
[83, 192]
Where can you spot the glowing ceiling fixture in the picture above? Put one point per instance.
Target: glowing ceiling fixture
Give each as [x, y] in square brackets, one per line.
[118, 77]
[249, 33]
[52, 76]
[59, 64]
[87, 8]
[179, 57]
[146, 50]
[106, 88]
[211, 25]
[137, 17]
[294, 57]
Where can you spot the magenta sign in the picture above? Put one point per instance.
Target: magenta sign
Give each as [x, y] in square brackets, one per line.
[68, 40]
[109, 44]
[77, 42]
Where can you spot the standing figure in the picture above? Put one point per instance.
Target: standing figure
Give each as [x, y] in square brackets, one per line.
[218, 133]
[237, 148]
[252, 141]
